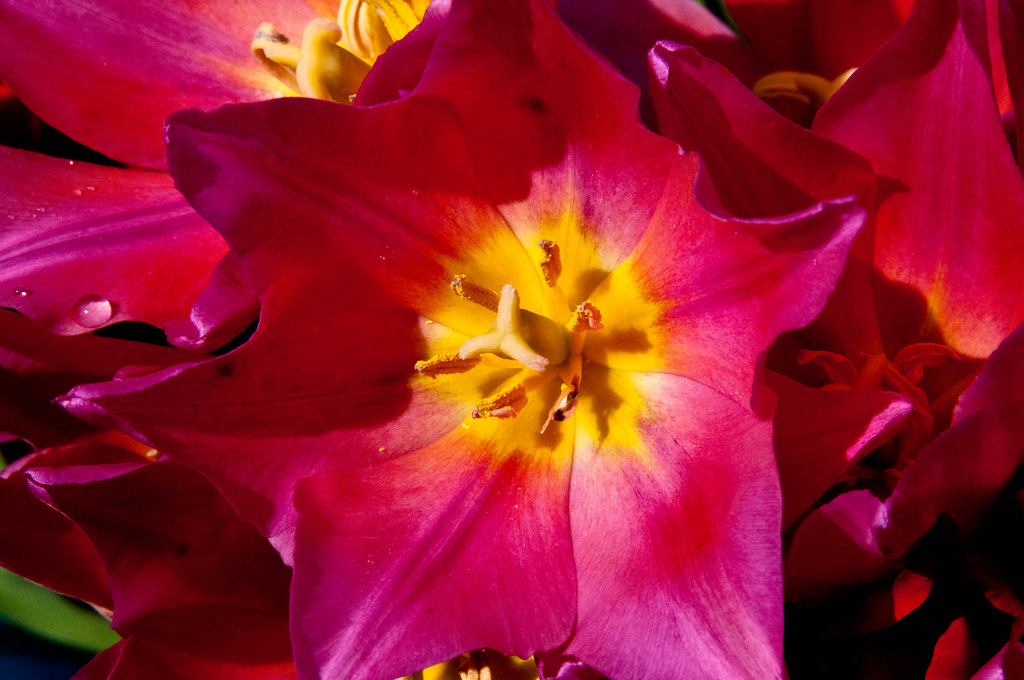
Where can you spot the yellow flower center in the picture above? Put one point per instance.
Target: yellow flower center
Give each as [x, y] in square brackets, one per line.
[335, 56]
[524, 339]
[798, 95]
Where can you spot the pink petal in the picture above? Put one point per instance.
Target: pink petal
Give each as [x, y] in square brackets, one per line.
[545, 121]
[704, 296]
[625, 31]
[962, 472]
[677, 543]
[85, 246]
[39, 542]
[761, 163]
[956, 654]
[108, 75]
[194, 588]
[820, 433]
[949, 239]
[405, 564]
[36, 367]
[825, 39]
[836, 547]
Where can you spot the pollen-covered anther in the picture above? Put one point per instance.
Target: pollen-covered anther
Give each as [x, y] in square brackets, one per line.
[446, 364]
[586, 317]
[485, 297]
[507, 403]
[551, 265]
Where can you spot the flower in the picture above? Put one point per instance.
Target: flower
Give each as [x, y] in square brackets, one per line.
[504, 369]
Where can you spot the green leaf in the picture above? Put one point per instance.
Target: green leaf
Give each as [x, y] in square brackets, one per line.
[48, 615]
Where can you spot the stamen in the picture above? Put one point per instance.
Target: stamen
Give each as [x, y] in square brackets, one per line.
[564, 406]
[551, 265]
[796, 94]
[276, 54]
[446, 364]
[485, 297]
[398, 17]
[507, 403]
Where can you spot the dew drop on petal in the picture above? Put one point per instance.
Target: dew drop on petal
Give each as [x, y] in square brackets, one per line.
[92, 311]
[76, 192]
[21, 292]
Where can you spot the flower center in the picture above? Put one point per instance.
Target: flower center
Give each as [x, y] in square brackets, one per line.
[902, 374]
[534, 342]
[798, 95]
[335, 56]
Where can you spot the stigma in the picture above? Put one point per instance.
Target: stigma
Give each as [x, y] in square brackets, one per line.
[335, 55]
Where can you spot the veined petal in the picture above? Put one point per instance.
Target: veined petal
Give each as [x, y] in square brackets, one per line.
[949, 239]
[556, 137]
[820, 433]
[681, 532]
[36, 367]
[195, 589]
[624, 31]
[109, 74]
[762, 164]
[363, 185]
[269, 413]
[703, 296]
[962, 472]
[410, 562]
[818, 38]
[84, 246]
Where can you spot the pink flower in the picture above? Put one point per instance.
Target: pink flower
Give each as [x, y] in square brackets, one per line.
[500, 394]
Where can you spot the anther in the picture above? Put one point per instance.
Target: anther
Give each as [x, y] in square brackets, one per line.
[551, 265]
[445, 364]
[485, 297]
[328, 71]
[586, 317]
[507, 403]
[565, 405]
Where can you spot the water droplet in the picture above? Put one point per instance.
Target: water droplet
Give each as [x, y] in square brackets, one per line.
[76, 192]
[415, 193]
[21, 292]
[92, 311]
[90, 188]
[71, 162]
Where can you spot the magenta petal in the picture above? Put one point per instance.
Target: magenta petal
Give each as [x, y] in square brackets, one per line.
[624, 31]
[108, 74]
[950, 225]
[729, 286]
[224, 309]
[761, 163]
[820, 433]
[396, 73]
[408, 563]
[36, 367]
[86, 246]
[677, 547]
[39, 542]
[541, 116]
[836, 547]
[821, 38]
[962, 472]
[195, 589]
